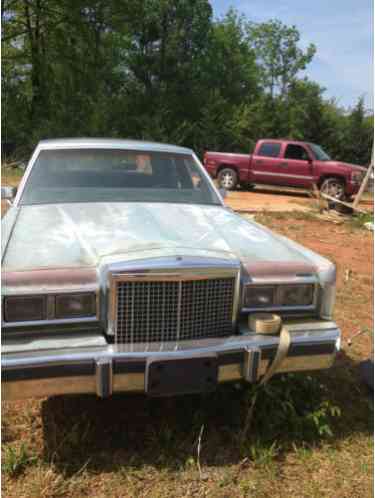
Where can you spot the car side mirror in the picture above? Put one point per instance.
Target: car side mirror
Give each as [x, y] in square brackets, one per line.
[223, 192]
[8, 193]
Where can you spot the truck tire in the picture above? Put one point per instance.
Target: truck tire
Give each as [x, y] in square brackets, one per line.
[333, 187]
[228, 179]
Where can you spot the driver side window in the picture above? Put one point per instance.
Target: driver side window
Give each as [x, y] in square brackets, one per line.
[297, 152]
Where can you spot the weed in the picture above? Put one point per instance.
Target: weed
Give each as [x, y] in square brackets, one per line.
[360, 219]
[289, 407]
[262, 454]
[15, 461]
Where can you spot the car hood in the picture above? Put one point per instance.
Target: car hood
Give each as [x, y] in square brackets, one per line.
[87, 235]
[346, 167]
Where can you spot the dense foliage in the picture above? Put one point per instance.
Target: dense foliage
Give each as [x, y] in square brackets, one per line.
[164, 70]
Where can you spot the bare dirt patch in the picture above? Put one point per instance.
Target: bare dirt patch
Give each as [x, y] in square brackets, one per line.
[262, 199]
[277, 199]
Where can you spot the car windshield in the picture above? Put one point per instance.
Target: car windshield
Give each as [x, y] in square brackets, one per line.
[113, 175]
[319, 153]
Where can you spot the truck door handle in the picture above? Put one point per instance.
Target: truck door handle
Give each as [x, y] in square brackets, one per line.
[259, 161]
[283, 164]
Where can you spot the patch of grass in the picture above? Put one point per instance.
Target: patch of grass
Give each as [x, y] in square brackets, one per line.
[290, 408]
[15, 460]
[359, 219]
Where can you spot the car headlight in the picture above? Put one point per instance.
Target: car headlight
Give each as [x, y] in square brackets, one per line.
[75, 305]
[259, 296]
[296, 295]
[25, 308]
[51, 307]
[268, 296]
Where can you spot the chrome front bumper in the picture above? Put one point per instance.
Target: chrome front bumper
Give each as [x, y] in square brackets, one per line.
[85, 363]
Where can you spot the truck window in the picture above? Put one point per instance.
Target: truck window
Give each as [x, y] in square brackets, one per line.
[269, 150]
[296, 152]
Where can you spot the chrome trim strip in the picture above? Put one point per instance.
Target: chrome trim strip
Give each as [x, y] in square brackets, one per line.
[129, 382]
[179, 311]
[285, 175]
[47, 387]
[252, 358]
[104, 377]
[46, 323]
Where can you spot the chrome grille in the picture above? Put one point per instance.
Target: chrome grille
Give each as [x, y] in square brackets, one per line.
[160, 311]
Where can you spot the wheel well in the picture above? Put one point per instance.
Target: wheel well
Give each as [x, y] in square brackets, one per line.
[223, 166]
[325, 177]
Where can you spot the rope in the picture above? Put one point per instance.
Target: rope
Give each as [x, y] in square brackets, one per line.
[268, 324]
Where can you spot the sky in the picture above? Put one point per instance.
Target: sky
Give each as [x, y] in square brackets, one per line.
[342, 31]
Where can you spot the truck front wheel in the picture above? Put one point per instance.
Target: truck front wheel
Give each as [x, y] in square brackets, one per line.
[228, 179]
[333, 187]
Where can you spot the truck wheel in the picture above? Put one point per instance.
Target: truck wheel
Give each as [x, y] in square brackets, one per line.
[333, 187]
[228, 179]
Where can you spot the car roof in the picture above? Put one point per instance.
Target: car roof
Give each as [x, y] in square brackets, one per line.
[288, 140]
[112, 143]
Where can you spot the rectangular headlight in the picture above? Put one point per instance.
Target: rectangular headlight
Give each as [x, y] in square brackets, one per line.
[24, 308]
[75, 305]
[259, 296]
[296, 295]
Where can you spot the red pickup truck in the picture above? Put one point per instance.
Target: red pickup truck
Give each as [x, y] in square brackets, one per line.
[285, 163]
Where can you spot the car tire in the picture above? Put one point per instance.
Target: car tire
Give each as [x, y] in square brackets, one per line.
[228, 179]
[333, 187]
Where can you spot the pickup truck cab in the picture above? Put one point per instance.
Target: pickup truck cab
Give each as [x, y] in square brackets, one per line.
[285, 163]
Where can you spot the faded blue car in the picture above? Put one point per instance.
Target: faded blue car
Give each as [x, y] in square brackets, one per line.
[124, 271]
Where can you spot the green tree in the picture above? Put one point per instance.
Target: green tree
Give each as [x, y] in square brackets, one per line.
[359, 134]
[164, 70]
[278, 54]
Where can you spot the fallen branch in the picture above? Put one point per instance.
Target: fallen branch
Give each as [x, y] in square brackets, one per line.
[329, 217]
[338, 201]
[322, 204]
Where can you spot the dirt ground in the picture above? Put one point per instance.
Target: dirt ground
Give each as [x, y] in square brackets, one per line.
[312, 435]
[269, 200]
[277, 199]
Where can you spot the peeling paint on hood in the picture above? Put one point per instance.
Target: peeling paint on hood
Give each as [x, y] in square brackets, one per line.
[81, 235]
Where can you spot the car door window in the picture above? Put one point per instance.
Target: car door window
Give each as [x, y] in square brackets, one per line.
[269, 150]
[296, 152]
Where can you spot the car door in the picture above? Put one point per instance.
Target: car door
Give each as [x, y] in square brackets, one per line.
[296, 166]
[265, 163]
